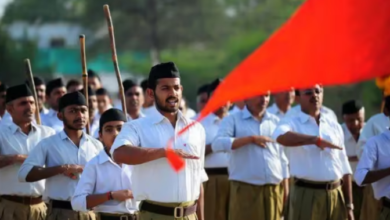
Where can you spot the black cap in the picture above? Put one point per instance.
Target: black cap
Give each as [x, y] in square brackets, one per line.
[73, 98]
[37, 81]
[128, 84]
[102, 91]
[161, 71]
[53, 84]
[3, 87]
[111, 114]
[351, 107]
[16, 92]
[92, 73]
[91, 92]
[203, 89]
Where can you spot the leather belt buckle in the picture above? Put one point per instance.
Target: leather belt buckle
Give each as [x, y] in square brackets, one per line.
[27, 200]
[178, 212]
[329, 186]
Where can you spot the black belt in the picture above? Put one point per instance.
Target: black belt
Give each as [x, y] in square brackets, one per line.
[58, 204]
[177, 212]
[386, 202]
[104, 216]
[217, 171]
[325, 186]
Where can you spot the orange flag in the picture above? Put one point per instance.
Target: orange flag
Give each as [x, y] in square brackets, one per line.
[331, 42]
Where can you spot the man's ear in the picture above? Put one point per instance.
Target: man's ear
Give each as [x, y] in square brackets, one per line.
[60, 115]
[100, 136]
[8, 107]
[150, 93]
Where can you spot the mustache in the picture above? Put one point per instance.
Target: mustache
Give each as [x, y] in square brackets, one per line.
[28, 112]
[78, 121]
[172, 98]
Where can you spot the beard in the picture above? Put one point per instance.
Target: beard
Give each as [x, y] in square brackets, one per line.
[164, 106]
[70, 126]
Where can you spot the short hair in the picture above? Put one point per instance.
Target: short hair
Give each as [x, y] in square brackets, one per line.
[72, 82]
[102, 91]
[203, 89]
[144, 85]
[92, 73]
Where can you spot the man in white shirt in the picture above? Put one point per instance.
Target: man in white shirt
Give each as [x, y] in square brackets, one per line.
[216, 189]
[164, 194]
[148, 106]
[282, 103]
[258, 168]
[353, 117]
[20, 201]
[318, 162]
[105, 186]
[374, 168]
[60, 159]
[134, 98]
[93, 115]
[55, 89]
[40, 89]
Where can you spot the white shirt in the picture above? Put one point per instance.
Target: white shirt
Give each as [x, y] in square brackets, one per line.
[156, 180]
[215, 159]
[325, 111]
[6, 119]
[374, 126]
[375, 156]
[252, 164]
[59, 150]
[102, 175]
[235, 110]
[350, 146]
[14, 141]
[190, 113]
[94, 127]
[149, 110]
[310, 162]
[274, 109]
[51, 120]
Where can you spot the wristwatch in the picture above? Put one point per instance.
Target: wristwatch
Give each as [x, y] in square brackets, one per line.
[350, 206]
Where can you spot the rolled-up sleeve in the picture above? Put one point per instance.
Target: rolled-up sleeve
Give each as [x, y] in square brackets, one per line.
[85, 187]
[127, 136]
[36, 158]
[225, 136]
[366, 162]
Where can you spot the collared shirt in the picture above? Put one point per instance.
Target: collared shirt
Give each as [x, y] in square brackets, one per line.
[59, 150]
[215, 159]
[14, 141]
[274, 109]
[350, 146]
[51, 120]
[309, 161]
[234, 110]
[156, 180]
[44, 111]
[102, 175]
[94, 127]
[374, 126]
[190, 113]
[149, 110]
[376, 154]
[252, 164]
[325, 111]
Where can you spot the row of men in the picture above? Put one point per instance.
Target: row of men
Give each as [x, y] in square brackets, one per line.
[247, 171]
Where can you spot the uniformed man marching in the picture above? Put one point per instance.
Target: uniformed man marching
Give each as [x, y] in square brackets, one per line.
[318, 162]
[20, 201]
[105, 186]
[60, 159]
[164, 194]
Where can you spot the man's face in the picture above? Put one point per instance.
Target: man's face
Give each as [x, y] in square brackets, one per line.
[22, 109]
[75, 117]
[2, 99]
[94, 83]
[41, 91]
[75, 88]
[134, 98]
[258, 103]
[167, 94]
[201, 100]
[311, 99]
[54, 97]
[109, 132]
[285, 98]
[103, 102]
[354, 122]
[92, 104]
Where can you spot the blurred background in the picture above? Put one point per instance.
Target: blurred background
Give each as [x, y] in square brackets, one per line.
[205, 38]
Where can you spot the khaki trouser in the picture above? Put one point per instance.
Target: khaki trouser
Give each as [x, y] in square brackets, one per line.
[317, 204]
[216, 197]
[358, 193]
[370, 206]
[249, 201]
[144, 215]
[16, 211]
[65, 214]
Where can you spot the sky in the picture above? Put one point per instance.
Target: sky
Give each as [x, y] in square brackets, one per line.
[3, 3]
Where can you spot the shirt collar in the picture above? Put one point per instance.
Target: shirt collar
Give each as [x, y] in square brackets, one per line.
[141, 115]
[303, 117]
[245, 114]
[157, 117]
[64, 136]
[103, 157]
[14, 128]
[347, 133]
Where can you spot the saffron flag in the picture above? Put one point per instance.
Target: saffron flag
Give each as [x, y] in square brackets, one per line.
[331, 42]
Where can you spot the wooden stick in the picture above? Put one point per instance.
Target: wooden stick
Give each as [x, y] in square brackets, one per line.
[32, 83]
[84, 74]
[114, 56]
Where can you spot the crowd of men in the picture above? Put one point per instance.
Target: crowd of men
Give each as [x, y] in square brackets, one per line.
[245, 161]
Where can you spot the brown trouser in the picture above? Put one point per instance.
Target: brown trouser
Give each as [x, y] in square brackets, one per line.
[145, 215]
[370, 206]
[249, 201]
[317, 204]
[358, 193]
[216, 197]
[17, 211]
[66, 214]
